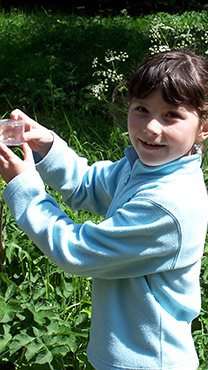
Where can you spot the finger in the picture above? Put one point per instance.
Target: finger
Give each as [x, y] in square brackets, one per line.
[29, 122]
[38, 137]
[31, 135]
[6, 152]
[3, 161]
[28, 156]
[33, 139]
[15, 114]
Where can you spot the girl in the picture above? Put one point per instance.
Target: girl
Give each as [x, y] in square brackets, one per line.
[145, 256]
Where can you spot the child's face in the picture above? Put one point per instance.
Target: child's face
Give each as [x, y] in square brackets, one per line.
[161, 132]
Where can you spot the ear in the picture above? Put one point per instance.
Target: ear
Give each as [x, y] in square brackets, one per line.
[203, 133]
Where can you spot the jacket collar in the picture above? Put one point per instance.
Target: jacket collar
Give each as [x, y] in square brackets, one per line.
[190, 163]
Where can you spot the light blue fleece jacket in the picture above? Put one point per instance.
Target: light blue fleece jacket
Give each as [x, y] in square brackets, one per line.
[144, 257]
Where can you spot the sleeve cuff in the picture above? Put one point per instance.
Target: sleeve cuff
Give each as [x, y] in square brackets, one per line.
[21, 190]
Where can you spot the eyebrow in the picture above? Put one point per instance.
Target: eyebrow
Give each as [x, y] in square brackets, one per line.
[169, 105]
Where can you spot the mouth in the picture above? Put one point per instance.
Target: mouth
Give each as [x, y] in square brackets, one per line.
[151, 146]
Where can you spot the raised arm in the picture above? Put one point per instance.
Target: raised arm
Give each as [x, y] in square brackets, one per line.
[124, 245]
[81, 186]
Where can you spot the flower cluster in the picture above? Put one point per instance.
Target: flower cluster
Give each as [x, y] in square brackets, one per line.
[164, 37]
[108, 76]
[112, 56]
[204, 39]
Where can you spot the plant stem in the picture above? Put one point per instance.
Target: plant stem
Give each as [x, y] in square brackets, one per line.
[2, 239]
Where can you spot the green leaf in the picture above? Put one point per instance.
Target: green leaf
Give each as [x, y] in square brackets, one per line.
[68, 289]
[80, 318]
[41, 313]
[44, 356]
[5, 339]
[19, 341]
[39, 293]
[32, 349]
[5, 279]
[60, 350]
[8, 310]
[11, 290]
[53, 327]
[10, 253]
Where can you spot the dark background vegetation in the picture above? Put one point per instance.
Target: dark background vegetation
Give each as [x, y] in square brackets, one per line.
[105, 7]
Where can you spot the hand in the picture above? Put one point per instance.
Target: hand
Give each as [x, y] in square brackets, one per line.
[11, 165]
[39, 138]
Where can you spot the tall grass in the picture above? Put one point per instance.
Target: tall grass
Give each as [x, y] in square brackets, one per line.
[46, 69]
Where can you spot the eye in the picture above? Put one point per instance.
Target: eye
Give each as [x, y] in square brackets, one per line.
[173, 115]
[141, 109]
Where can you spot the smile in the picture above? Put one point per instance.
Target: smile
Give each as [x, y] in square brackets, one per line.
[151, 146]
[146, 142]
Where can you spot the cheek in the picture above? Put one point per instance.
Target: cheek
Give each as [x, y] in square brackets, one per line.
[133, 133]
[129, 120]
[181, 139]
[130, 127]
[132, 124]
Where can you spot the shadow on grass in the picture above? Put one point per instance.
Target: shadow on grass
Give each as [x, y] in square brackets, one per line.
[46, 60]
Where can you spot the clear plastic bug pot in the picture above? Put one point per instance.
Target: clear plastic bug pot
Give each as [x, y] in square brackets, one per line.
[11, 132]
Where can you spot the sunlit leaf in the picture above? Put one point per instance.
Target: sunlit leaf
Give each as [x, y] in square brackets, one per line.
[44, 356]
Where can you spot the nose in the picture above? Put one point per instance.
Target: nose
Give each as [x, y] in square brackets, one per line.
[153, 127]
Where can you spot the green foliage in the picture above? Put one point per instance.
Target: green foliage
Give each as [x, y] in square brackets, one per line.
[47, 59]
[44, 313]
[50, 67]
[174, 32]
[201, 324]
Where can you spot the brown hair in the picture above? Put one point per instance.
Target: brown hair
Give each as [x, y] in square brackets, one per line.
[181, 75]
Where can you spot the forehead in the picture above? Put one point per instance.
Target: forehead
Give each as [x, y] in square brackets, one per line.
[154, 97]
[156, 101]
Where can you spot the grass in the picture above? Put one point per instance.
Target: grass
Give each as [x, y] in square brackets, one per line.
[46, 70]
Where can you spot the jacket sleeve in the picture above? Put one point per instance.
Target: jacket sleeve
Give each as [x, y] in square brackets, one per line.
[81, 186]
[139, 239]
